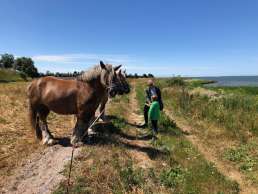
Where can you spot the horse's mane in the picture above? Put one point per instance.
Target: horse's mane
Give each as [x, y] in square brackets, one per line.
[93, 73]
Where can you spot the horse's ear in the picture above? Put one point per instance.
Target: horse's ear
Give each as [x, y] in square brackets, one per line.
[117, 67]
[102, 65]
[119, 72]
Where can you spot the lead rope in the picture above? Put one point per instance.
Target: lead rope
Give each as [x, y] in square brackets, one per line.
[71, 163]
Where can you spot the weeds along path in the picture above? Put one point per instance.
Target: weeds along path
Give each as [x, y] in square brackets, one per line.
[142, 158]
[210, 155]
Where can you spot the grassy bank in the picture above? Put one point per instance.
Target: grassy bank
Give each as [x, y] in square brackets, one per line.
[224, 116]
[187, 170]
[9, 75]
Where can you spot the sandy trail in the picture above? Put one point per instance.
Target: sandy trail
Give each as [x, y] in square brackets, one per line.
[142, 159]
[210, 155]
[41, 173]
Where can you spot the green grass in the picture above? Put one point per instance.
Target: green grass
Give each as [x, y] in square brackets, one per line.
[108, 166]
[198, 82]
[231, 115]
[186, 171]
[8, 75]
[243, 90]
[245, 156]
[235, 112]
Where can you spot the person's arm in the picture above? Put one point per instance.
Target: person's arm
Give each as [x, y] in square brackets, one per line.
[158, 93]
[148, 97]
[159, 98]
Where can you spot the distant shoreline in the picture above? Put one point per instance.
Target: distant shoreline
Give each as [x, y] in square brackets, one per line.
[233, 81]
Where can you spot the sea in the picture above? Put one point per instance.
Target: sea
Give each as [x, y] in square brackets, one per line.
[233, 80]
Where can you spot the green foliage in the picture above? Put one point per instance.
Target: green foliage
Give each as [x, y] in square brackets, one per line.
[131, 177]
[186, 171]
[26, 65]
[175, 81]
[245, 156]
[242, 90]
[6, 60]
[166, 122]
[199, 82]
[172, 177]
[235, 112]
[9, 75]
[234, 155]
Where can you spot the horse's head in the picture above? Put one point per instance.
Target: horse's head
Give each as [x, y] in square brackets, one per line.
[122, 79]
[109, 79]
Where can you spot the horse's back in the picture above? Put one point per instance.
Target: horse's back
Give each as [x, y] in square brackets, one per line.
[56, 94]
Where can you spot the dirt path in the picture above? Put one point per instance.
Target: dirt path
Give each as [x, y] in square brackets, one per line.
[142, 159]
[41, 172]
[210, 155]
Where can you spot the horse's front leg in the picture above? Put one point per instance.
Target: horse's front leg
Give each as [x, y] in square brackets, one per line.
[79, 131]
[102, 109]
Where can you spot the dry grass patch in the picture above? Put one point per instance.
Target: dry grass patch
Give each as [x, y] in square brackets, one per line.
[16, 137]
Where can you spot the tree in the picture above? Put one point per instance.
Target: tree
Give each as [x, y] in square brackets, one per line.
[150, 75]
[6, 60]
[26, 65]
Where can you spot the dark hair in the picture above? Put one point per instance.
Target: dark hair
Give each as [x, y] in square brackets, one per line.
[154, 98]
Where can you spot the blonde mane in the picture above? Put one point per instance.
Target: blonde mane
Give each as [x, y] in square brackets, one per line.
[93, 73]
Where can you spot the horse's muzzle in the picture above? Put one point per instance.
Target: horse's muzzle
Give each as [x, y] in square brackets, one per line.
[127, 90]
[112, 93]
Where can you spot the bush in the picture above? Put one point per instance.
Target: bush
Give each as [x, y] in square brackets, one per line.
[176, 81]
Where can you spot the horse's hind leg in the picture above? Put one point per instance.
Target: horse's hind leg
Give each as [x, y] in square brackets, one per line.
[81, 127]
[47, 138]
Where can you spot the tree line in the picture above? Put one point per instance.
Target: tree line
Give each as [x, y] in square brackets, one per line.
[25, 66]
[149, 75]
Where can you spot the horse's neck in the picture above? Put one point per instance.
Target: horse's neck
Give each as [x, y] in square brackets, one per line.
[98, 86]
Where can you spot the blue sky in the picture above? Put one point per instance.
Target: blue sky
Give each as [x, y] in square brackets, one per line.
[165, 37]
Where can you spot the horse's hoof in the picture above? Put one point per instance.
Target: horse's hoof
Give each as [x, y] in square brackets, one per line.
[75, 142]
[91, 132]
[49, 142]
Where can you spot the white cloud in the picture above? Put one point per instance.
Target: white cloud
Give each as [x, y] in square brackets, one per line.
[80, 58]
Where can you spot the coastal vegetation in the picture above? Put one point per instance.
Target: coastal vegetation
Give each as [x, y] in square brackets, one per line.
[220, 116]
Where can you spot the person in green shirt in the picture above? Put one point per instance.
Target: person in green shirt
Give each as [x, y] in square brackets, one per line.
[154, 114]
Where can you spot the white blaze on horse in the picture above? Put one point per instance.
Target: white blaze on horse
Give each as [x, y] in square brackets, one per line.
[80, 97]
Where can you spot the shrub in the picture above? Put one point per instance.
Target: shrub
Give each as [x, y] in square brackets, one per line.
[172, 177]
[176, 81]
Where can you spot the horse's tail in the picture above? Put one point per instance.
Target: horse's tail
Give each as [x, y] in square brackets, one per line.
[33, 116]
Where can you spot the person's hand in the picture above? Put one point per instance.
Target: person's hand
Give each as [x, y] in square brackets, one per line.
[147, 103]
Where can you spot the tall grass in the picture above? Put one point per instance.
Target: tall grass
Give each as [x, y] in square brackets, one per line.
[186, 171]
[236, 112]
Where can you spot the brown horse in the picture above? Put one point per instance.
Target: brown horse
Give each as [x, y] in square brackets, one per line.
[80, 97]
[124, 89]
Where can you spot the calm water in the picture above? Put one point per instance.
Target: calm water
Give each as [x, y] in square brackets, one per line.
[233, 80]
